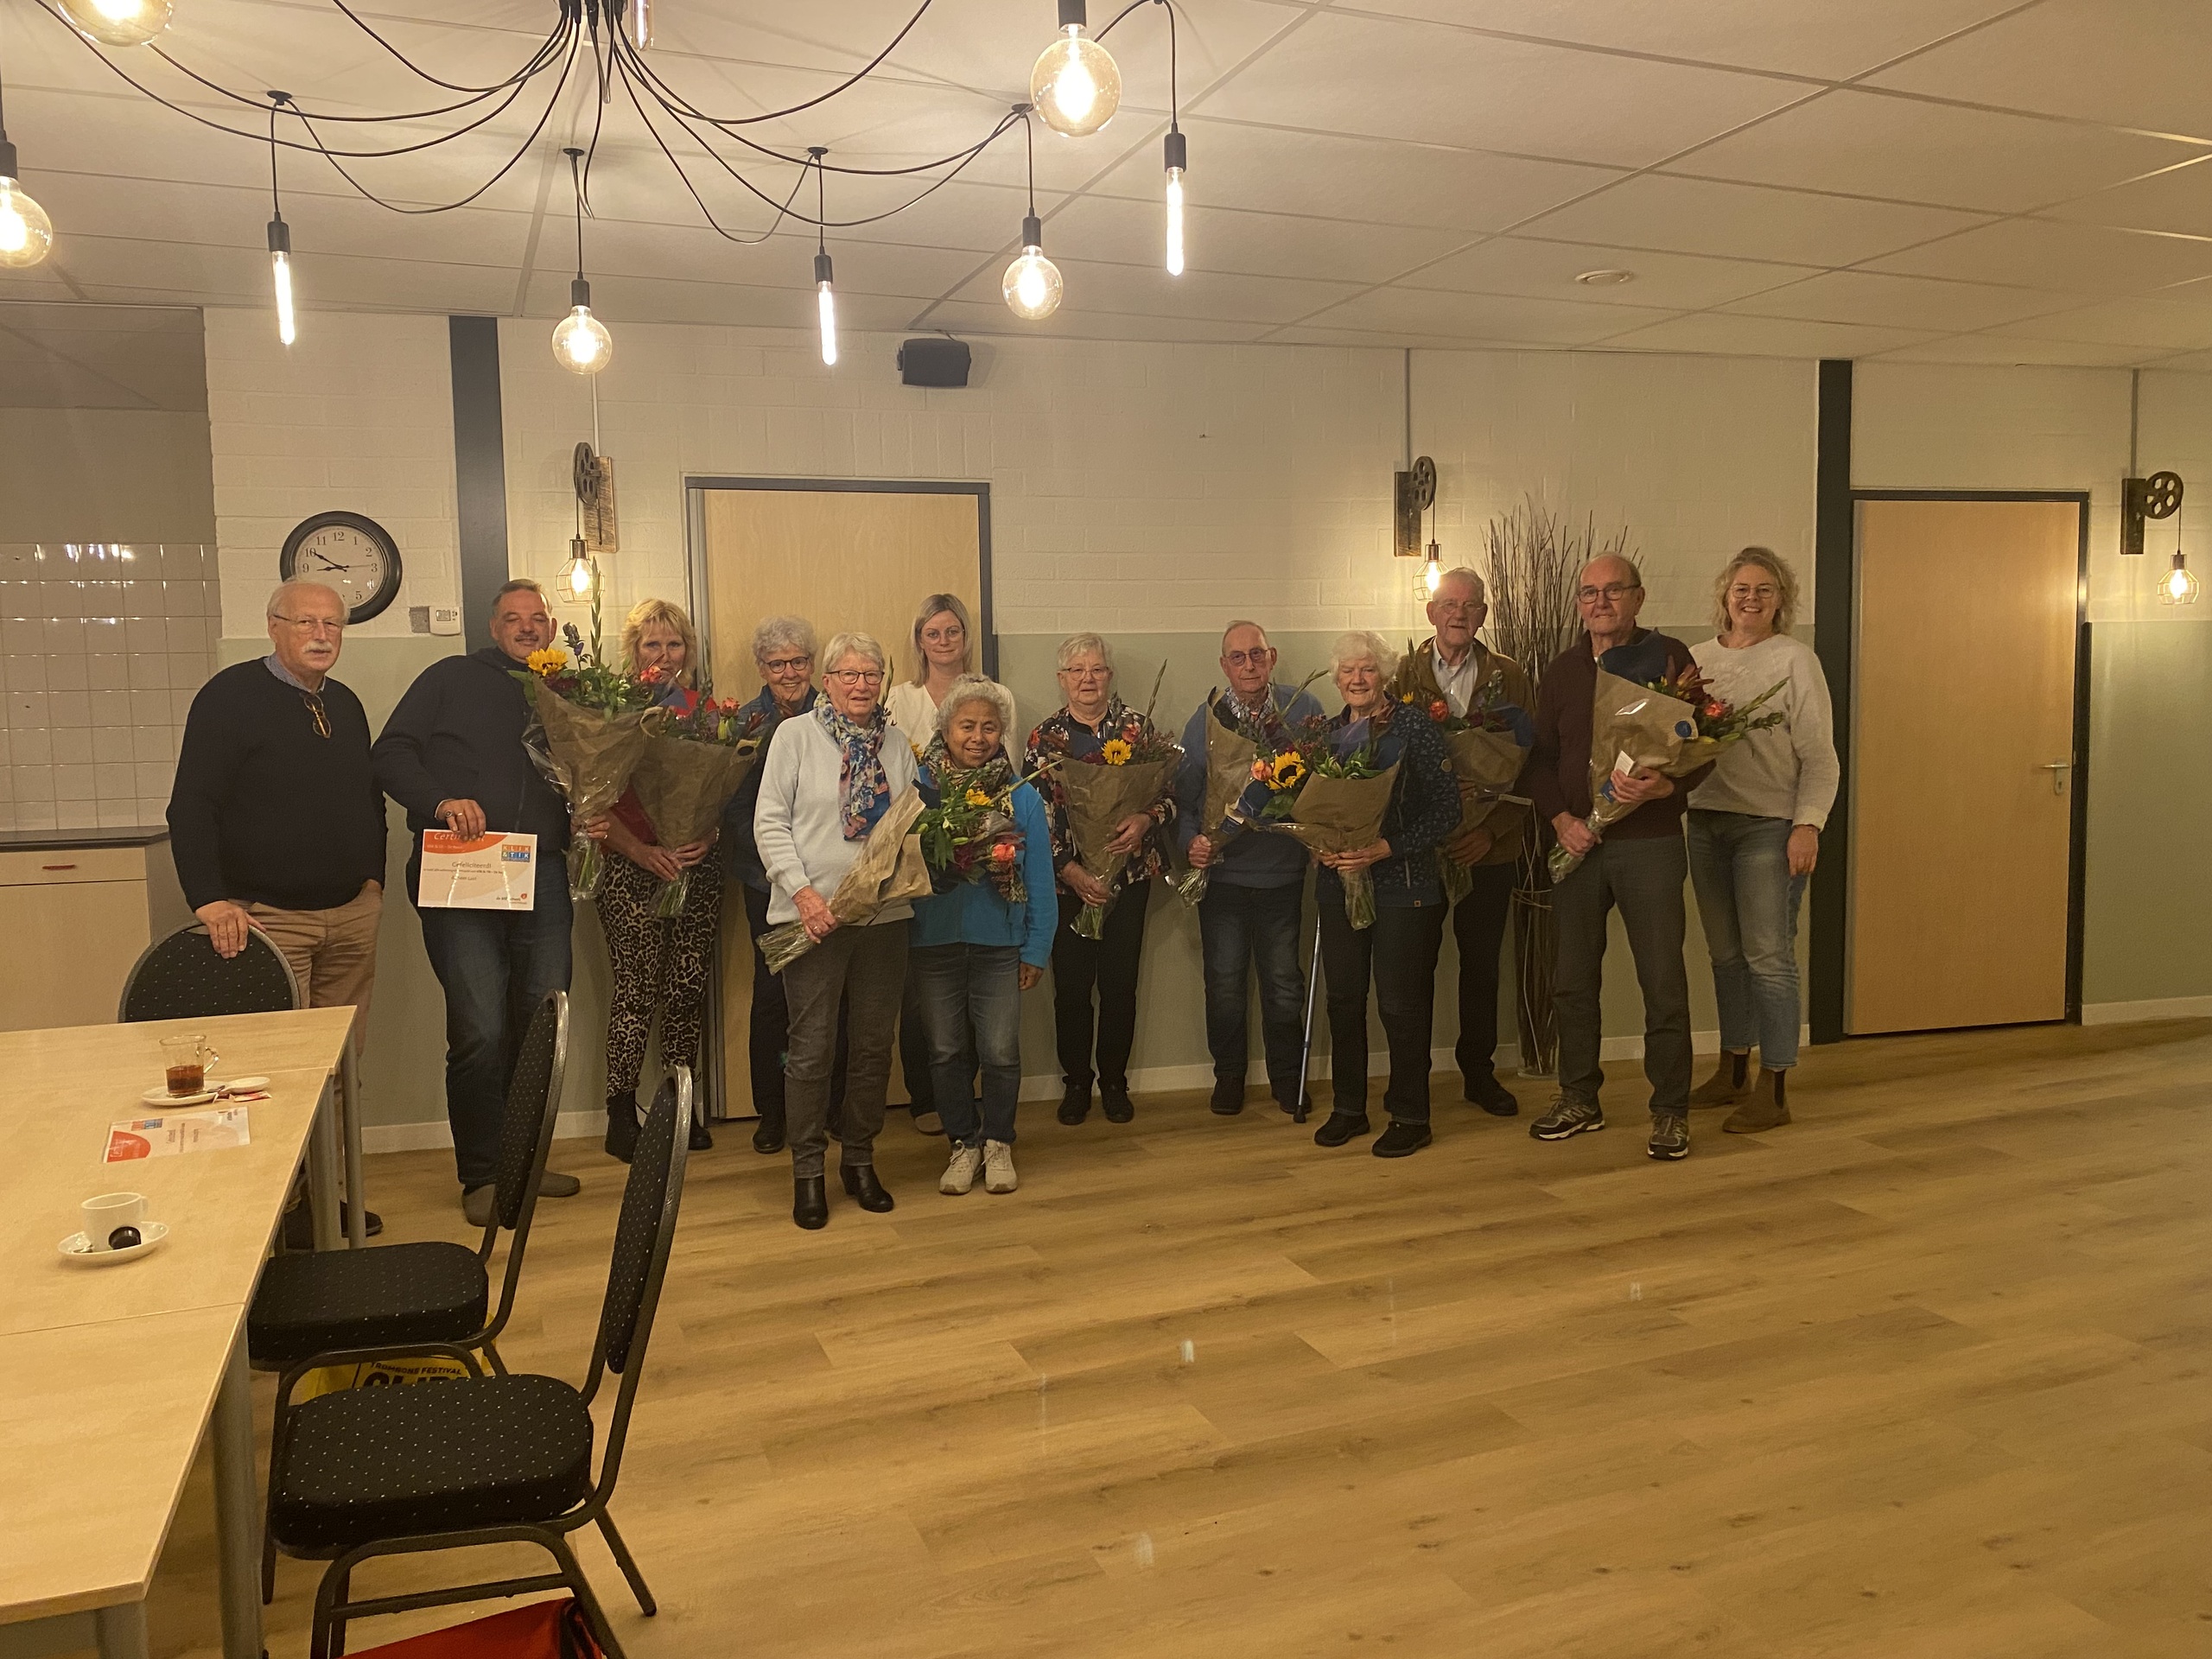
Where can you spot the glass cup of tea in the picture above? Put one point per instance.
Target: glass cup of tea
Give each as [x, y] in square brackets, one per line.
[186, 1060]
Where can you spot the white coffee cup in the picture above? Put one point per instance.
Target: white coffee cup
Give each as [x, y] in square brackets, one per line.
[110, 1210]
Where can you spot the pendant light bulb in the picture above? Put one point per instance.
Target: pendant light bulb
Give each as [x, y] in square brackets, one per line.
[118, 22]
[1032, 281]
[825, 299]
[2180, 586]
[581, 342]
[26, 233]
[1075, 85]
[1432, 576]
[280, 265]
[577, 576]
[1178, 160]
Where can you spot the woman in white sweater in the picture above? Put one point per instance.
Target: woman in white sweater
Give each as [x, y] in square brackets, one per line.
[829, 777]
[1755, 834]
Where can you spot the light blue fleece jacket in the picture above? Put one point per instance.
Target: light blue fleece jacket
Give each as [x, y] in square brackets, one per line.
[973, 913]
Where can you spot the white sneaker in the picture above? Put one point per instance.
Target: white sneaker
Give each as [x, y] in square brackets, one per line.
[960, 1174]
[998, 1167]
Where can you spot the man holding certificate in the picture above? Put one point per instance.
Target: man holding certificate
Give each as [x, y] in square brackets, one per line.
[493, 899]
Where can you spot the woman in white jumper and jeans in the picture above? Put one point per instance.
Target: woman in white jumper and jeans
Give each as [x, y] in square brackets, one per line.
[1755, 833]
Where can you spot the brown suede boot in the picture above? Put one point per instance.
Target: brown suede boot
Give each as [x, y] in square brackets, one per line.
[1729, 1085]
[1768, 1108]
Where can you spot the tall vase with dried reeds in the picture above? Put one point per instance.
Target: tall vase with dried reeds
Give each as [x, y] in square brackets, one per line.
[1535, 557]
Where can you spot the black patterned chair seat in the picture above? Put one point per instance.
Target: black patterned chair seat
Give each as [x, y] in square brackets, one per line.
[317, 1304]
[430, 1458]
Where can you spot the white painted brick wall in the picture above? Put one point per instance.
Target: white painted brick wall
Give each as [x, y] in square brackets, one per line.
[357, 416]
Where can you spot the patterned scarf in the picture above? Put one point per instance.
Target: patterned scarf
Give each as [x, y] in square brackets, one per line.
[863, 787]
[953, 781]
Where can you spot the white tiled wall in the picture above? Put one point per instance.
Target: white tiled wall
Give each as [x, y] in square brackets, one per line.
[104, 646]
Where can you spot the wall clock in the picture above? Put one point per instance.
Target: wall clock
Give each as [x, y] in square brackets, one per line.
[346, 551]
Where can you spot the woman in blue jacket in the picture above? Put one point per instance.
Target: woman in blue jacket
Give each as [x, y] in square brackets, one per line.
[974, 950]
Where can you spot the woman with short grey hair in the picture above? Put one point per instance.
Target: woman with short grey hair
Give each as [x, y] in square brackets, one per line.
[1084, 645]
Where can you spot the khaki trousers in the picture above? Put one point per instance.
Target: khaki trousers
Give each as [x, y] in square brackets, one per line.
[333, 952]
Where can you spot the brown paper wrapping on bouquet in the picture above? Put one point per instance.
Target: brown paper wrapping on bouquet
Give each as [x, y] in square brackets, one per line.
[683, 787]
[592, 757]
[1654, 732]
[890, 868]
[1491, 761]
[1335, 815]
[1229, 755]
[1098, 798]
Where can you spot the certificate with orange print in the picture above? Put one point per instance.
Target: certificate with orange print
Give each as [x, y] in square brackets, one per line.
[486, 872]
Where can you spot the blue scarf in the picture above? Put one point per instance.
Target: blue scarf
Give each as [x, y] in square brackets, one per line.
[863, 787]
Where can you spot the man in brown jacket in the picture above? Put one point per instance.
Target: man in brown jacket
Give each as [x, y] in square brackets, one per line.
[1454, 668]
[1639, 867]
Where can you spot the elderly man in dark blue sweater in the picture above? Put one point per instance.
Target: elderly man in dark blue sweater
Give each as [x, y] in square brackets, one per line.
[452, 755]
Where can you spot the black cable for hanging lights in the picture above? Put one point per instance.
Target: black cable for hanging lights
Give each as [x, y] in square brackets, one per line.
[825, 293]
[581, 342]
[280, 233]
[1032, 286]
[1175, 153]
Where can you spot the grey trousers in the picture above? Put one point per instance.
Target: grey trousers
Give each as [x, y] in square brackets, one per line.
[867, 966]
[1644, 879]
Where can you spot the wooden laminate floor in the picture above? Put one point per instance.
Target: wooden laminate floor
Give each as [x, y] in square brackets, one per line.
[1924, 1374]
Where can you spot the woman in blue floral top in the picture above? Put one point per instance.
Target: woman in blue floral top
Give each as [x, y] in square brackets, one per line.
[1092, 717]
[1399, 952]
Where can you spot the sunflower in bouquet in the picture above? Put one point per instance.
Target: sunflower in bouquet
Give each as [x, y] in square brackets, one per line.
[970, 834]
[1336, 794]
[588, 738]
[1127, 774]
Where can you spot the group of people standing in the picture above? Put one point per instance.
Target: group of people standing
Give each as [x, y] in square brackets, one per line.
[842, 740]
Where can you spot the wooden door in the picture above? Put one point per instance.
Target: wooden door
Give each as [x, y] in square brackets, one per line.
[843, 559]
[1963, 745]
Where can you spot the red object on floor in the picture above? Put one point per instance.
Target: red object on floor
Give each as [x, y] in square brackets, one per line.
[544, 1630]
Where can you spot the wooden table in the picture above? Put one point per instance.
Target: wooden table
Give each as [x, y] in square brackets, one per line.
[108, 1375]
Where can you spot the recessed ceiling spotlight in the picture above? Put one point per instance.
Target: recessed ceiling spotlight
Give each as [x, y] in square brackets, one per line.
[1607, 278]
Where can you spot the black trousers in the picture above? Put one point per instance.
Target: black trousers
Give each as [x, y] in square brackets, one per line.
[768, 1041]
[1399, 955]
[1108, 967]
[1479, 924]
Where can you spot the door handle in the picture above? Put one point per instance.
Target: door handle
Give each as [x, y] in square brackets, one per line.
[2058, 770]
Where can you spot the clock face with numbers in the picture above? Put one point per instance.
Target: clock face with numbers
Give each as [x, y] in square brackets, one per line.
[355, 555]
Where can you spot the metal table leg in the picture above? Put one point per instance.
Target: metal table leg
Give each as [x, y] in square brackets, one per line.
[238, 1511]
[357, 1193]
[322, 1168]
[122, 1631]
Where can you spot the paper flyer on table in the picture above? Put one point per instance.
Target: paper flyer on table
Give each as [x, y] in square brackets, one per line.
[177, 1132]
[487, 871]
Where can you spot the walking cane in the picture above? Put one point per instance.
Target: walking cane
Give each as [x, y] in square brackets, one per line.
[1305, 1050]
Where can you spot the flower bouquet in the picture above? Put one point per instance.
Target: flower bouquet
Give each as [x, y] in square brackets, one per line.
[1671, 725]
[969, 835]
[1131, 770]
[1339, 805]
[1488, 746]
[589, 736]
[1248, 765]
[693, 764]
[890, 868]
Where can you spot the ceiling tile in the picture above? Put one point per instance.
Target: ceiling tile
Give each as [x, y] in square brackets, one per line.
[1547, 270]
[2001, 351]
[1898, 301]
[991, 317]
[1746, 221]
[1713, 332]
[1436, 85]
[1435, 313]
[1149, 291]
[1863, 144]
[2129, 63]
[2084, 258]
[1802, 37]
[2173, 324]
[2179, 198]
[1128, 232]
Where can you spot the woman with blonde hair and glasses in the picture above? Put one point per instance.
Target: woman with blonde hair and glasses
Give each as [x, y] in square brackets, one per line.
[658, 963]
[1755, 833]
[945, 650]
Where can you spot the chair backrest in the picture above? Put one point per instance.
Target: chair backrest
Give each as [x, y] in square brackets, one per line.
[525, 1137]
[643, 1234]
[181, 977]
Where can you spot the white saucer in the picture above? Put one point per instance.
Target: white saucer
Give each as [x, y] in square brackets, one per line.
[160, 1097]
[78, 1249]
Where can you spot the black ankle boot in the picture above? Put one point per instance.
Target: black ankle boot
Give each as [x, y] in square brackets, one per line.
[859, 1181]
[702, 1138]
[1228, 1097]
[768, 1134]
[622, 1125]
[811, 1202]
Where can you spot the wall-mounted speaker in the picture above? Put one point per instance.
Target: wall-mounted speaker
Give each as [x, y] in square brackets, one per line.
[934, 362]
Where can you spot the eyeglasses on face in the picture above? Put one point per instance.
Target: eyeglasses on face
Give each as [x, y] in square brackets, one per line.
[314, 624]
[1095, 671]
[1612, 590]
[1456, 607]
[788, 664]
[855, 676]
[1762, 590]
[1259, 659]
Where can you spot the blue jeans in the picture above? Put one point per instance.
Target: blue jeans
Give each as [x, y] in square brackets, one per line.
[970, 999]
[496, 968]
[1242, 930]
[1748, 901]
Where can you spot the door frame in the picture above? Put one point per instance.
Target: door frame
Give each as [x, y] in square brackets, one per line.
[1830, 947]
[707, 1082]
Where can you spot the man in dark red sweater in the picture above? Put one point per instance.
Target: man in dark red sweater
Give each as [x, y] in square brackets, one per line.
[1639, 867]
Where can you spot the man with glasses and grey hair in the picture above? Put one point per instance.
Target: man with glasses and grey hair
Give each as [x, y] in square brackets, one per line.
[1639, 867]
[1256, 885]
[275, 821]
